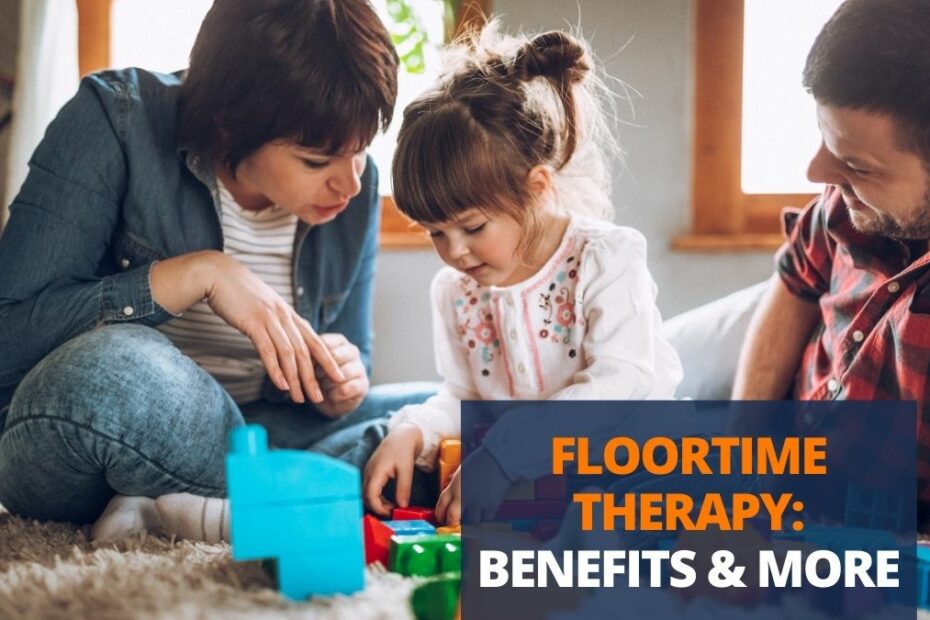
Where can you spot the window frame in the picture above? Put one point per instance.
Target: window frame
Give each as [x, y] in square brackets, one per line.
[723, 218]
[397, 231]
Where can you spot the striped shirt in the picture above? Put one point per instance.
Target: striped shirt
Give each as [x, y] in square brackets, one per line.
[263, 241]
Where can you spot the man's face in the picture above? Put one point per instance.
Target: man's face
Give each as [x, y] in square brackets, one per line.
[886, 189]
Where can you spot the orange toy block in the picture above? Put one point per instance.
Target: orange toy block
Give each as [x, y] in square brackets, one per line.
[449, 529]
[450, 457]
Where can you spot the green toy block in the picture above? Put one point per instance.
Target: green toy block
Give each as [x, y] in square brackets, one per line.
[425, 555]
[437, 599]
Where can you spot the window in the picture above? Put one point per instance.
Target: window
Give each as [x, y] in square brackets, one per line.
[119, 33]
[755, 127]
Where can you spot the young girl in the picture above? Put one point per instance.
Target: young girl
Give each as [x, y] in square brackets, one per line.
[543, 298]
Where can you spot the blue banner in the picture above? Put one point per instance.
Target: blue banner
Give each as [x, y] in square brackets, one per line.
[690, 509]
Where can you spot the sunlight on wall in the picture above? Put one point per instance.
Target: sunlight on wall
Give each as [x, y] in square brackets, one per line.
[779, 122]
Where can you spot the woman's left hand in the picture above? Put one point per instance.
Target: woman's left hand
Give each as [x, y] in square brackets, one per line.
[342, 397]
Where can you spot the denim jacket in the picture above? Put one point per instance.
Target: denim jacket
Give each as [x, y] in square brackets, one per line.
[109, 192]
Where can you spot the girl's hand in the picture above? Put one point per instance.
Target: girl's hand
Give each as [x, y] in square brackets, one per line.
[342, 397]
[449, 507]
[394, 459]
[483, 504]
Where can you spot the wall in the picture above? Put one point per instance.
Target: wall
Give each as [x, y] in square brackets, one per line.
[9, 26]
[647, 43]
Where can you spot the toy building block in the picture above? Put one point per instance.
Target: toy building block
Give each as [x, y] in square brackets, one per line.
[450, 457]
[525, 490]
[437, 599]
[545, 529]
[449, 529]
[923, 576]
[426, 555]
[377, 540]
[540, 509]
[302, 510]
[410, 527]
[552, 487]
[413, 513]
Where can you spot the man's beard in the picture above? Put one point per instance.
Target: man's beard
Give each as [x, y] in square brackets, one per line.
[881, 223]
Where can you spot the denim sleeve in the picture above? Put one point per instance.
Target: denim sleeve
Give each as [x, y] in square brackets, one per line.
[59, 232]
[355, 319]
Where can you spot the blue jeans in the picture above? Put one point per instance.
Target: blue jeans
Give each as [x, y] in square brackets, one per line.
[122, 410]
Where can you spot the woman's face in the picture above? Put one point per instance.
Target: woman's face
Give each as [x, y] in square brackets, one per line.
[312, 185]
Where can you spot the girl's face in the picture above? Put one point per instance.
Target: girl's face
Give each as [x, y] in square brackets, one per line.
[306, 182]
[483, 246]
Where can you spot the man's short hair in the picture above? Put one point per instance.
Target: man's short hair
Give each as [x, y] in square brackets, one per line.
[874, 55]
[322, 73]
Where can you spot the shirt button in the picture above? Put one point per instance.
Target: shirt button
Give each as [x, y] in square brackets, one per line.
[513, 334]
[300, 291]
[894, 287]
[125, 263]
[509, 301]
[858, 336]
[833, 385]
[521, 368]
[808, 417]
[129, 310]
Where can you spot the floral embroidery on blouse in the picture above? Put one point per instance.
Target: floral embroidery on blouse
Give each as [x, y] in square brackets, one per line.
[476, 323]
[561, 307]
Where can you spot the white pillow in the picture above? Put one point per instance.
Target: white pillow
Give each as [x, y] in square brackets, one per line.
[708, 340]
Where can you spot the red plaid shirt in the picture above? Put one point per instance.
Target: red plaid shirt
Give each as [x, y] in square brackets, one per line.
[874, 297]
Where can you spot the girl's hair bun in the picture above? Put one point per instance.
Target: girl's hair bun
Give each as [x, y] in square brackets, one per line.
[554, 55]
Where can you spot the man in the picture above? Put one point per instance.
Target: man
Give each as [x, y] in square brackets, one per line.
[849, 316]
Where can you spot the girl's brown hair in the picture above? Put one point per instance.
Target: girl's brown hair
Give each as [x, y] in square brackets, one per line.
[505, 106]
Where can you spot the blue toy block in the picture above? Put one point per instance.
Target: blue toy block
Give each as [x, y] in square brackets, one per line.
[923, 576]
[301, 509]
[411, 527]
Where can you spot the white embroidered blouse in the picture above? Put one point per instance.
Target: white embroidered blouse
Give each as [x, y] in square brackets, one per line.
[585, 327]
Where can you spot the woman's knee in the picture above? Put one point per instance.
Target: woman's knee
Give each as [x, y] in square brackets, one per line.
[118, 408]
[99, 377]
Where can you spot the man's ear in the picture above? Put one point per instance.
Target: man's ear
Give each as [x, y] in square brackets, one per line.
[539, 181]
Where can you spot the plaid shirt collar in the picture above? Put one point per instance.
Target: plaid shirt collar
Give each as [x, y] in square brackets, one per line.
[874, 296]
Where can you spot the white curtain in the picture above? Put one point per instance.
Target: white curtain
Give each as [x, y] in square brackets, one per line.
[46, 77]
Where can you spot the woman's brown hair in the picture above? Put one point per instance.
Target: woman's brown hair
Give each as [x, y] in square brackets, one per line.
[322, 73]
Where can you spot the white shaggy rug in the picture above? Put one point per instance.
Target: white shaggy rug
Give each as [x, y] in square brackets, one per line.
[52, 570]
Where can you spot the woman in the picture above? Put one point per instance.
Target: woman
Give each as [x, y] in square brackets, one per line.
[190, 250]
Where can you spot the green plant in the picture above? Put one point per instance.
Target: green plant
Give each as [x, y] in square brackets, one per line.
[408, 33]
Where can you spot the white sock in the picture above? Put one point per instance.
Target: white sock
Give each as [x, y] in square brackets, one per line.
[125, 516]
[193, 517]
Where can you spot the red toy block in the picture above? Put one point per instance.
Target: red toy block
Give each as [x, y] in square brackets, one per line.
[546, 529]
[413, 513]
[377, 540]
[551, 487]
[545, 509]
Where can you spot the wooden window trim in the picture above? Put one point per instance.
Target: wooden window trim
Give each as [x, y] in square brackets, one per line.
[94, 54]
[723, 217]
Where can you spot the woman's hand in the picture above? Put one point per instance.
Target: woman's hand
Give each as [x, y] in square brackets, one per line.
[286, 344]
[394, 459]
[342, 397]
